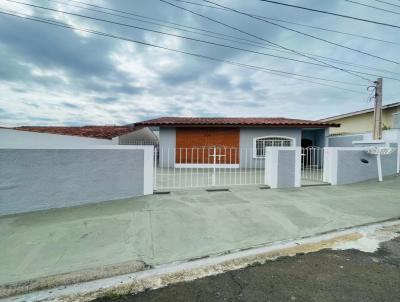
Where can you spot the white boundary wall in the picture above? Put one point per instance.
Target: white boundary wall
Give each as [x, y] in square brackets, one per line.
[345, 165]
[283, 167]
[11, 137]
[40, 178]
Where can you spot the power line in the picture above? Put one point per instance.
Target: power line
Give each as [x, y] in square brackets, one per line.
[265, 40]
[261, 69]
[331, 13]
[298, 24]
[371, 6]
[388, 3]
[122, 24]
[146, 29]
[192, 39]
[204, 32]
[269, 48]
[331, 30]
[304, 34]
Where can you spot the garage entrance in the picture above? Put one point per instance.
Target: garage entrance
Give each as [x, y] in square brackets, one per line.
[204, 146]
[214, 166]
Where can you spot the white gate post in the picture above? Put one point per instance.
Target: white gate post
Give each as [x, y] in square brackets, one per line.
[330, 165]
[379, 164]
[283, 167]
[297, 167]
[148, 173]
[214, 166]
[271, 167]
[155, 168]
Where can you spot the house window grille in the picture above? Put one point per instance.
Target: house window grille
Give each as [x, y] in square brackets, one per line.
[262, 142]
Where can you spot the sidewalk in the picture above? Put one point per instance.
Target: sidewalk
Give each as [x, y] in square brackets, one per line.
[162, 229]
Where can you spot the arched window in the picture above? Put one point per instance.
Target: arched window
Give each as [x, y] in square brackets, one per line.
[270, 141]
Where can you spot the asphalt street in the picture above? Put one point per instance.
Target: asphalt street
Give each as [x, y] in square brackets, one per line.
[324, 276]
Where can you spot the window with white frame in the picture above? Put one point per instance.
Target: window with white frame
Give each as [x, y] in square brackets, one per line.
[270, 141]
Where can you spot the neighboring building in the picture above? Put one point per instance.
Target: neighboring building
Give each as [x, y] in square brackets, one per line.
[362, 121]
[75, 136]
[188, 141]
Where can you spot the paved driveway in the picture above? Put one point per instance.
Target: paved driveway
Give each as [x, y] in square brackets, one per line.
[183, 225]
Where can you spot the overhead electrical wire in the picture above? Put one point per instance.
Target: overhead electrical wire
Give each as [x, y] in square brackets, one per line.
[371, 6]
[304, 34]
[388, 3]
[296, 23]
[261, 69]
[265, 40]
[332, 13]
[194, 39]
[136, 16]
[98, 19]
[204, 32]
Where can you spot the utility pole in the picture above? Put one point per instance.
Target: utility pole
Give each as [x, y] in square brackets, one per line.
[377, 131]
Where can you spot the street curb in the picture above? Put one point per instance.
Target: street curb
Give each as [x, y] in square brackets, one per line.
[26, 286]
[164, 275]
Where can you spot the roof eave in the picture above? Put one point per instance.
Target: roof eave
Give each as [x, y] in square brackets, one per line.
[358, 112]
[305, 125]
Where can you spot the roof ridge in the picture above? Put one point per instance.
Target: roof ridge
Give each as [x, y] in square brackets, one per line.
[234, 121]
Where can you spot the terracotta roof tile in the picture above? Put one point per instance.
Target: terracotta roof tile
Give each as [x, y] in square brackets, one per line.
[105, 132]
[234, 121]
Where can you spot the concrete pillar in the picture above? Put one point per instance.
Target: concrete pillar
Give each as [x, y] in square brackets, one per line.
[330, 165]
[283, 167]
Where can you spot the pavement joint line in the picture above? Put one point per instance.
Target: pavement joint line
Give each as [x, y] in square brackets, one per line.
[151, 233]
[164, 275]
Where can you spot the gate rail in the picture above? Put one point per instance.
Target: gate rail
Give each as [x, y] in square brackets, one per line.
[312, 165]
[177, 168]
[180, 168]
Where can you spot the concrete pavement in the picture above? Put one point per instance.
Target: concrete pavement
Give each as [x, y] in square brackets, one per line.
[184, 225]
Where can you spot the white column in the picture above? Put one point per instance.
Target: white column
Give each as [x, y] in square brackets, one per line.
[297, 168]
[271, 167]
[148, 170]
[330, 165]
[283, 167]
[379, 165]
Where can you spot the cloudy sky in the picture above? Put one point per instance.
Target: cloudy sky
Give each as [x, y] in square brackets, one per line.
[58, 76]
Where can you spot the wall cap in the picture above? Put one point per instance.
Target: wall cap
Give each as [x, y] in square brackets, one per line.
[89, 147]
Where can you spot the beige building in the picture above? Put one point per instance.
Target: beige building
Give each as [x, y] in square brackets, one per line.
[362, 121]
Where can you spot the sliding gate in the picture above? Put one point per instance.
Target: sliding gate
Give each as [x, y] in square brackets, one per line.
[178, 168]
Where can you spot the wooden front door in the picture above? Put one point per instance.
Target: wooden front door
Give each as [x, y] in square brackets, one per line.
[204, 145]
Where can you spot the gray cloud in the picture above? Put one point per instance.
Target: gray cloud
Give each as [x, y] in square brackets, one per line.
[69, 105]
[47, 73]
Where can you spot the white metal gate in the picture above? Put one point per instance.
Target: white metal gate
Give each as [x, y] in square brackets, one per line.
[177, 168]
[312, 165]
